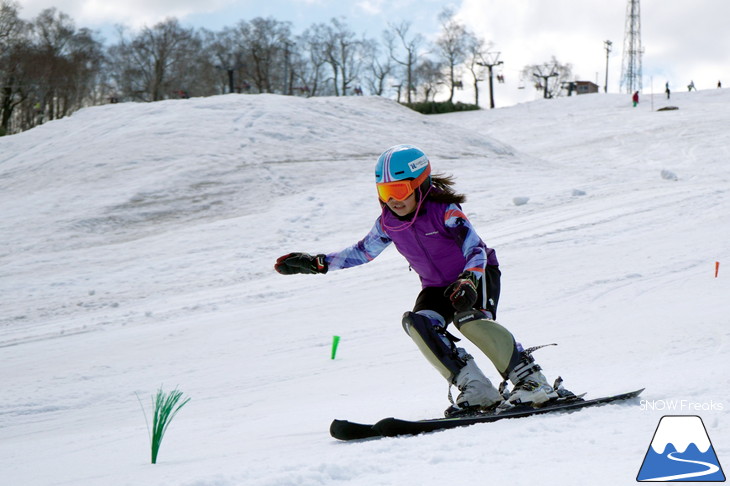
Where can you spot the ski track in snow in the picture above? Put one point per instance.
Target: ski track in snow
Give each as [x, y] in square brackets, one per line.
[137, 249]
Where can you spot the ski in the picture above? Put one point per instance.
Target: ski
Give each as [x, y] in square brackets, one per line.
[392, 427]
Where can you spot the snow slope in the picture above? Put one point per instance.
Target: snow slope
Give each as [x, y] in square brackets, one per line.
[136, 251]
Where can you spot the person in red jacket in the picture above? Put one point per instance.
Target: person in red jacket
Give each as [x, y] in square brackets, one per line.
[460, 278]
[635, 98]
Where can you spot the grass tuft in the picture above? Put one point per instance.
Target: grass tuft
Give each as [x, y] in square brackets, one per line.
[167, 405]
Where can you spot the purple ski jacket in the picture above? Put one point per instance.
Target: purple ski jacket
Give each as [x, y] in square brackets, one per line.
[439, 244]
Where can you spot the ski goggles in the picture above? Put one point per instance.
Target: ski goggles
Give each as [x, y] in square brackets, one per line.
[400, 190]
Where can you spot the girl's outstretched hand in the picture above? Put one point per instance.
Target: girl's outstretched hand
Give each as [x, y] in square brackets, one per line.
[292, 263]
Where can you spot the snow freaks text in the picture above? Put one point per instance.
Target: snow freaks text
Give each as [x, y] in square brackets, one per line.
[680, 406]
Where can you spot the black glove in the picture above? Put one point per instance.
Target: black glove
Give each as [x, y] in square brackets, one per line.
[463, 292]
[300, 263]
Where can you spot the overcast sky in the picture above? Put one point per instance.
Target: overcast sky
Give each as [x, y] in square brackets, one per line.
[683, 41]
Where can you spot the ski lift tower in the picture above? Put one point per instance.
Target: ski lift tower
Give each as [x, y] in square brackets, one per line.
[489, 60]
[631, 64]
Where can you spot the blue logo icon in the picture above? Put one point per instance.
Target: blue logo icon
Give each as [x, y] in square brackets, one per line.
[681, 451]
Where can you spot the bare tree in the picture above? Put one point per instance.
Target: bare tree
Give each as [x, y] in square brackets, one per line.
[13, 41]
[378, 69]
[263, 42]
[79, 77]
[429, 77]
[53, 34]
[343, 53]
[313, 60]
[452, 44]
[476, 48]
[399, 39]
[10, 24]
[222, 60]
[153, 65]
[48, 68]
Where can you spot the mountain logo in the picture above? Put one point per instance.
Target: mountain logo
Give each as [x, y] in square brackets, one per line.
[681, 451]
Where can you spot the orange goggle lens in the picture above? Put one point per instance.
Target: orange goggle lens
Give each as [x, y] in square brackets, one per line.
[400, 190]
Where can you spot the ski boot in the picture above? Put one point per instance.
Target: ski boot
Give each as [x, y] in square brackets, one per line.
[530, 385]
[477, 392]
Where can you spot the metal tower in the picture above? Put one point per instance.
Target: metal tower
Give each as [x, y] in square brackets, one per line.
[631, 64]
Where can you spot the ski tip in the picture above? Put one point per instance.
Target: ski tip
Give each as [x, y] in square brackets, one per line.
[346, 430]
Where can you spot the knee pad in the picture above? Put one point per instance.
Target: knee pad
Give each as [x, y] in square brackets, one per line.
[435, 344]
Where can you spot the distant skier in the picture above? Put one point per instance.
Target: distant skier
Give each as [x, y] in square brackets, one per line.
[691, 86]
[635, 98]
[460, 277]
[666, 90]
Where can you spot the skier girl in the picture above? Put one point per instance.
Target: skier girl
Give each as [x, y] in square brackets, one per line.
[422, 216]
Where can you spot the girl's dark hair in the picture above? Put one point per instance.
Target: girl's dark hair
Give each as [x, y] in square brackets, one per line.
[443, 190]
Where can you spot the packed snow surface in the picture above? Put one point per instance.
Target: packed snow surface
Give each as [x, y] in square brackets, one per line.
[137, 244]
